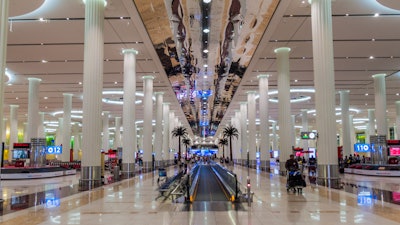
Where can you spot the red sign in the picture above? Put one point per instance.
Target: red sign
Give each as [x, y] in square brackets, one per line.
[394, 151]
[393, 142]
[22, 145]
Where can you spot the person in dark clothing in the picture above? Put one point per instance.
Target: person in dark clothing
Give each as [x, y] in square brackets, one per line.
[291, 164]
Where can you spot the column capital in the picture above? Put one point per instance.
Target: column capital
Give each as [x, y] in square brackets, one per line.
[166, 103]
[263, 76]
[148, 77]
[158, 93]
[344, 91]
[105, 2]
[379, 75]
[34, 79]
[14, 106]
[67, 94]
[130, 50]
[282, 49]
[251, 92]
[243, 103]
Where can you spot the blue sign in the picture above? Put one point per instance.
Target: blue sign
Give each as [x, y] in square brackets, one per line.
[362, 147]
[57, 150]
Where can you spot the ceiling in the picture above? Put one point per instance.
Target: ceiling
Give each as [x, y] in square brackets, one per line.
[170, 40]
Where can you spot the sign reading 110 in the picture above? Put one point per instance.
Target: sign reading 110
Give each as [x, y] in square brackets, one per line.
[54, 150]
[362, 147]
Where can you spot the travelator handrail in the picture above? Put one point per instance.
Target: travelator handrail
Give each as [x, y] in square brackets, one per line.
[229, 181]
[193, 179]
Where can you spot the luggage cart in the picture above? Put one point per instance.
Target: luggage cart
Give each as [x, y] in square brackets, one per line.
[295, 182]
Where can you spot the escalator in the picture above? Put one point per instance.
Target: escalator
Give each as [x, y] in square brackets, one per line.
[209, 188]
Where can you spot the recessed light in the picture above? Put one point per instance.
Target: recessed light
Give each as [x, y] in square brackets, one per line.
[205, 50]
[44, 61]
[121, 17]
[41, 19]
[115, 82]
[295, 81]
[205, 65]
[376, 14]
[45, 97]
[80, 83]
[206, 1]
[16, 98]
[371, 57]
[206, 30]
[397, 94]
[205, 76]
[347, 14]
[67, 18]
[366, 94]
[373, 39]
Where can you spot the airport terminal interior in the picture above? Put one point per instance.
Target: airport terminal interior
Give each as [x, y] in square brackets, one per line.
[200, 68]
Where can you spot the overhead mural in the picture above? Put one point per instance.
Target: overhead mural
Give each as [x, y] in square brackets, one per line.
[205, 48]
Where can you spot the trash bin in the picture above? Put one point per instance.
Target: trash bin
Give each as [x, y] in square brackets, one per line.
[116, 173]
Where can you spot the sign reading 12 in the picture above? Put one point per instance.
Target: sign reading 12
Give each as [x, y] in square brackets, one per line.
[54, 150]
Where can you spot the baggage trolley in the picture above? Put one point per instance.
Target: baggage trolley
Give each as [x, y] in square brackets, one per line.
[162, 175]
[295, 182]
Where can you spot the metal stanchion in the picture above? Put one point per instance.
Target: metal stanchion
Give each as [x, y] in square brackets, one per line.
[248, 191]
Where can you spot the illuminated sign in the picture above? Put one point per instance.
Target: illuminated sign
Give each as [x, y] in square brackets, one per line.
[308, 135]
[394, 151]
[358, 147]
[22, 145]
[364, 198]
[57, 150]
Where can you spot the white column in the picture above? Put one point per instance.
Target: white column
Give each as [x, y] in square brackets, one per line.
[92, 93]
[397, 119]
[238, 142]
[41, 131]
[25, 133]
[380, 103]
[321, 20]
[171, 128]
[117, 135]
[33, 107]
[147, 122]
[158, 133]
[4, 128]
[106, 132]
[274, 137]
[13, 129]
[75, 133]
[129, 136]
[264, 117]
[293, 132]
[166, 131]
[66, 131]
[344, 104]
[371, 124]
[59, 134]
[352, 132]
[251, 115]
[3, 56]
[284, 120]
[243, 132]
[304, 124]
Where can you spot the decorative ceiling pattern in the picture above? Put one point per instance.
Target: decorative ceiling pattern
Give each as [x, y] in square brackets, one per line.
[205, 48]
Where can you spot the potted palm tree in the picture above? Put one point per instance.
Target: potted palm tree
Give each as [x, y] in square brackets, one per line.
[223, 142]
[230, 132]
[179, 132]
[187, 142]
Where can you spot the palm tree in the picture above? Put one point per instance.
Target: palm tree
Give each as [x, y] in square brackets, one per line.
[230, 132]
[186, 141]
[179, 132]
[223, 142]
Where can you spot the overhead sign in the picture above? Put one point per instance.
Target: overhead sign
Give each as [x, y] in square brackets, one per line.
[57, 150]
[308, 135]
[359, 147]
[22, 145]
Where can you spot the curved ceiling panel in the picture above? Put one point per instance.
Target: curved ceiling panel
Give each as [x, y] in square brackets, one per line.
[21, 7]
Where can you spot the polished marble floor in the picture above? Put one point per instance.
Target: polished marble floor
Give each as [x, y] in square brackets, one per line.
[363, 200]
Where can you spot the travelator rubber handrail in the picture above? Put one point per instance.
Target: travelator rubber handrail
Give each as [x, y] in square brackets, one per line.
[167, 186]
[229, 181]
[194, 178]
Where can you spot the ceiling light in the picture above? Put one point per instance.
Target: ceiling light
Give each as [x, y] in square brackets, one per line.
[397, 94]
[206, 30]
[44, 61]
[121, 17]
[41, 20]
[373, 39]
[67, 18]
[206, 1]
[205, 65]
[371, 57]
[115, 82]
[80, 83]
[45, 97]
[205, 50]
[366, 94]
[376, 14]
[205, 76]
[347, 14]
[295, 81]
